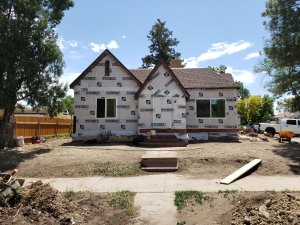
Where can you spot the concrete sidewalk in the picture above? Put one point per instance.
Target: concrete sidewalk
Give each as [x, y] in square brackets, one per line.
[155, 193]
[168, 183]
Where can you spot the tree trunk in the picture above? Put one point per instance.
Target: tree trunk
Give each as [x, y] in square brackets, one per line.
[7, 128]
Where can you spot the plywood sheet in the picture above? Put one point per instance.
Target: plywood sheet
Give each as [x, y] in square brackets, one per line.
[235, 175]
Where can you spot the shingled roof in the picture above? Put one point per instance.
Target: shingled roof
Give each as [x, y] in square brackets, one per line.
[194, 78]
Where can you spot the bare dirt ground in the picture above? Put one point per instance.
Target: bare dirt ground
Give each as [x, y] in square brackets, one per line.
[41, 204]
[61, 158]
[233, 208]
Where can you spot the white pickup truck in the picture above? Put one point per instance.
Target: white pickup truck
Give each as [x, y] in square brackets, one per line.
[292, 125]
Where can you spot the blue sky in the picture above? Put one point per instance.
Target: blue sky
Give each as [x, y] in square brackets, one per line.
[210, 32]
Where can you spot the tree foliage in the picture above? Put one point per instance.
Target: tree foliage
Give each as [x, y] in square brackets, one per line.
[255, 109]
[289, 104]
[162, 44]
[250, 109]
[282, 49]
[267, 111]
[68, 104]
[244, 92]
[30, 60]
[219, 69]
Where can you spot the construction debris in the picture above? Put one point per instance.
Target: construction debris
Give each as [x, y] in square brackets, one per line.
[9, 186]
[235, 175]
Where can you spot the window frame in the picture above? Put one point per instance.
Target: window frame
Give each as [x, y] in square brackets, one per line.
[107, 68]
[105, 109]
[210, 111]
[295, 124]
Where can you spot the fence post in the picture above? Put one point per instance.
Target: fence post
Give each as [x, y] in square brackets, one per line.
[39, 129]
[56, 127]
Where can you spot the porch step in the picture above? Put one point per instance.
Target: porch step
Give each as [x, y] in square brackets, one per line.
[163, 161]
[163, 137]
[163, 140]
[161, 145]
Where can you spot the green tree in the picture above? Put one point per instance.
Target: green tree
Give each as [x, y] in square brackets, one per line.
[219, 69]
[162, 44]
[289, 104]
[282, 49]
[250, 109]
[267, 111]
[68, 104]
[244, 92]
[30, 60]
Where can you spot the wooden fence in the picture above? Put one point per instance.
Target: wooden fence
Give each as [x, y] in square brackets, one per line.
[28, 126]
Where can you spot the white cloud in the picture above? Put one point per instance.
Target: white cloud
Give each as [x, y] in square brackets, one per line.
[218, 50]
[100, 47]
[97, 47]
[60, 43]
[124, 36]
[245, 76]
[72, 43]
[112, 45]
[252, 55]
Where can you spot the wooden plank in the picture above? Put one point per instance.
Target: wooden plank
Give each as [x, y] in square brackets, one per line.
[160, 168]
[159, 155]
[235, 175]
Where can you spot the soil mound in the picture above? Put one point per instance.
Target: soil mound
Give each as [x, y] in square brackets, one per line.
[39, 204]
[279, 208]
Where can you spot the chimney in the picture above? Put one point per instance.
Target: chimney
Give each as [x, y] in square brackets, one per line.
[176, 63]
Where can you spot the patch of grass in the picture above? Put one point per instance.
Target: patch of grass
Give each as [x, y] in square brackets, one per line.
[124, 199]
[57, 136]
[181, 223]
[271, 191]
[69, 193]
[181, 198]
[116, 170]
[227, 192]
[286, 190]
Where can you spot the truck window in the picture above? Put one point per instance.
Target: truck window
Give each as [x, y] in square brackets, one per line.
[291, 122]
[298, 122]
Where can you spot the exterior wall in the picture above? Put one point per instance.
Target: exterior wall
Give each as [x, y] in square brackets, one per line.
[119, 85]
[230, 121]
[162, 104]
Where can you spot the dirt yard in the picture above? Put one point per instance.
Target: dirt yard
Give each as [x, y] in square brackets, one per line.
[41, 204]
[233, 208]
[61, 158]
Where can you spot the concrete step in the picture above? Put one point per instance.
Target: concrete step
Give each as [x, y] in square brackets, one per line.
[163, 137]
[159, 161]
[160, 145]
[163, 140]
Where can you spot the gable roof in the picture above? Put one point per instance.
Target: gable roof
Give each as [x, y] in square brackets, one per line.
[194, 78]
[96, 61]
[150, 74]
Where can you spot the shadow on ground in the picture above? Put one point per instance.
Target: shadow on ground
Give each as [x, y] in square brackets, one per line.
[11, 158]
[290, 151]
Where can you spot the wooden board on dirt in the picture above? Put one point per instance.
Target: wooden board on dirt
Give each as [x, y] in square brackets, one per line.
[235, 175]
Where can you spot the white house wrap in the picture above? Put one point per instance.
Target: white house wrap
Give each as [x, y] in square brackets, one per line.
[190, 103]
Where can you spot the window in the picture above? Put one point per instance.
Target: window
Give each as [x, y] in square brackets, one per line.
[106, 108]
[203, 108]
[107, 68]
[217, 107]
[211, 108]
[291, 122]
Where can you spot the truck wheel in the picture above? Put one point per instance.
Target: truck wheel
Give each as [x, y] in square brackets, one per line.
[271, 131]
